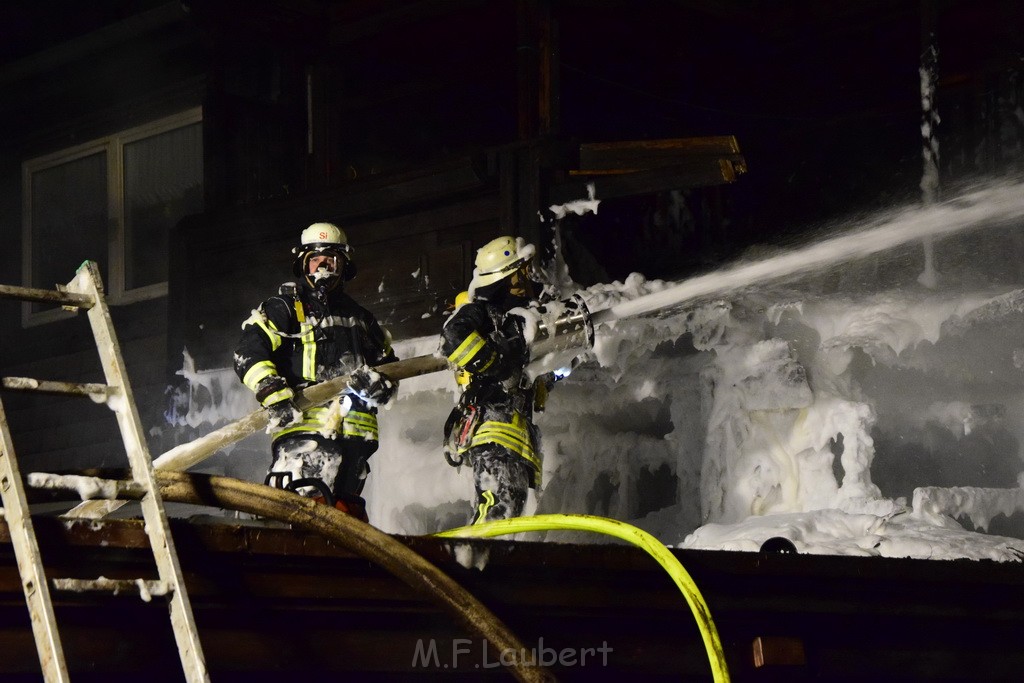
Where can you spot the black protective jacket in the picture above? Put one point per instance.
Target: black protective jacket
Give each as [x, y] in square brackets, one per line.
[497, 405]
[305, 340]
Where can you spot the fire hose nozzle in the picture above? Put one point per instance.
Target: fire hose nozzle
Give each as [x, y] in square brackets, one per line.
[571, 330]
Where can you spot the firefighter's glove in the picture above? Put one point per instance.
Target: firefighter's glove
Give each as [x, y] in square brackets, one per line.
[371, 386]
[282, 414]
[273, 389]
[276, 396]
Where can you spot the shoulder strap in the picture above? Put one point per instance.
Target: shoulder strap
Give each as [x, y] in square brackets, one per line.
[289, 290]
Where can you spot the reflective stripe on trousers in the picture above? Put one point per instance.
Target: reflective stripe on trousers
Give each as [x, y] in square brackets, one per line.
[515, 436]
[355, 424]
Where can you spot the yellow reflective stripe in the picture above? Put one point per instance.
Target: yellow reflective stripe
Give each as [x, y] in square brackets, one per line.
[489, 362]
[258, 372]
[362, 425]
[261, 321]
[363, 434]
[355, 424]
[514, 445]
[483, 508]
[313, 420]
[308, 353]
[308, 343]
[512, 435]
[515, 429]
[281, 395]
[465, 352]
[500, 430]
[356, 417]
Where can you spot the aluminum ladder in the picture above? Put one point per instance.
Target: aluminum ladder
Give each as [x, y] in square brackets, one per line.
[85, 291]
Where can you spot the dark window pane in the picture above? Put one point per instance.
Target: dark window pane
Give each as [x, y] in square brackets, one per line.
[163, 178]
[69, 220]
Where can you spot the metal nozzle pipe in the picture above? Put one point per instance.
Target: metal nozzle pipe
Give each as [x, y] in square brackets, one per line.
[572, 330]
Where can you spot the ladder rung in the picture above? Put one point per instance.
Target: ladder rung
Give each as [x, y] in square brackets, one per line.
[95, 391]
[89, 488]
[47, 296]
[146, 588]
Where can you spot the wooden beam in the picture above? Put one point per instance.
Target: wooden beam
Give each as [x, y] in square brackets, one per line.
[778, 651]
[690, 173]
[637, 155]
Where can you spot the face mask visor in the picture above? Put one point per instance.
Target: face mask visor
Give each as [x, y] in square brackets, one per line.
[521, 283]
[323, 266]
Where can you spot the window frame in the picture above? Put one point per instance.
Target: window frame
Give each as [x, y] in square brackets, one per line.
[113, 147]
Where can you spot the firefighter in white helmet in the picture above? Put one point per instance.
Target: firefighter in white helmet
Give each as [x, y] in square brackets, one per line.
[492, 427]
[310, 332]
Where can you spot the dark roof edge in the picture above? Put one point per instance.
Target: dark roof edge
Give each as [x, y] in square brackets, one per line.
[58, 55]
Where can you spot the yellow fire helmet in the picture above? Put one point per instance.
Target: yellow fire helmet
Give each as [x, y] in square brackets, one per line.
[498, 259]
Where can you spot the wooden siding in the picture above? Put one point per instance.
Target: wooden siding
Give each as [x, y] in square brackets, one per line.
[69, 432]
[146, 67]
[286, 603]
[410, 265]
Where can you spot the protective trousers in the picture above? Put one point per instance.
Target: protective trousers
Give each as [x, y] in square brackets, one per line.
[319, 467]
[502, 479]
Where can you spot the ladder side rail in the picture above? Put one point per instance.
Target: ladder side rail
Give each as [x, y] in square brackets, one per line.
[29, 559]
[122, 401]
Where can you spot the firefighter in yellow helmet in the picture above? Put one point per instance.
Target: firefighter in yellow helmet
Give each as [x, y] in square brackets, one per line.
[310, 332]
[492, 427]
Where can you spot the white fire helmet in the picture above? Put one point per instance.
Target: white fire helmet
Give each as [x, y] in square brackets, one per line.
[324, 235]
[319, 238]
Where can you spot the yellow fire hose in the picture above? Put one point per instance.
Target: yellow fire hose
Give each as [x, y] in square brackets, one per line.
[630, 534]
[372, 544]
[363, 539]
